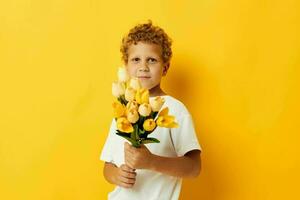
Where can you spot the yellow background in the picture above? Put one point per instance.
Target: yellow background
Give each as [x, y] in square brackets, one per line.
[235, 66]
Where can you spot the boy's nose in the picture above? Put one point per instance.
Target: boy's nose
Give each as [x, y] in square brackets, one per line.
[143, 67]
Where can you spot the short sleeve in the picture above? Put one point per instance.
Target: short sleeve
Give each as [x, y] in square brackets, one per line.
[184, 137]
[108, 148]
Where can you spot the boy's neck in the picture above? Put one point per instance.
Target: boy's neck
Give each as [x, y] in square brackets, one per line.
[156, 91]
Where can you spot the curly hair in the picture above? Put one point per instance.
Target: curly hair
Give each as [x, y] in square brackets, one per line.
[147, 33]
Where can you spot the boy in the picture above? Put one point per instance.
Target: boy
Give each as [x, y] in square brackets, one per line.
[154, 171]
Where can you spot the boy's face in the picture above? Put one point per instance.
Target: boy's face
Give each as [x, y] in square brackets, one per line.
[145, 63]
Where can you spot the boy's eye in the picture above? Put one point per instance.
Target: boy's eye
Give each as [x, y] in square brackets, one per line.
[135, 59]
[152, 60]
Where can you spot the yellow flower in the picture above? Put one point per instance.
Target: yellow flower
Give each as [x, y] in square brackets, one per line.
[130, 94]
[132, 104]
[135, 83]
[118, 89]
[132, 115]
[122, 74]
[164, 111]
[149, 124]
[118, 109]
[145, 109]
[156, 103]
[124, 125]
[165, 120]
[142, 96]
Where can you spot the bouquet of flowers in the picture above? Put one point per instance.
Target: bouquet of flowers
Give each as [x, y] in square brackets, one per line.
[136, 115]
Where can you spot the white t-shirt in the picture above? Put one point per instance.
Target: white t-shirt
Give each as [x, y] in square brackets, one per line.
[174, 142]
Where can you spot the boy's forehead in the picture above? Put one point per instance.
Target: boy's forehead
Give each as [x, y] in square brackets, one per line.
[144, 48]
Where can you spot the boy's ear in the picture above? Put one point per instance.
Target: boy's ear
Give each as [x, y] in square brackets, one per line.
[166, 67]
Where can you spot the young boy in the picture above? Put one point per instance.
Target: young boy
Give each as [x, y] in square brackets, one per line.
[154, 171]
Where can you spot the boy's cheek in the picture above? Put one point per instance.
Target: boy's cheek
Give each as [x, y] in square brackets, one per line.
[131, 71]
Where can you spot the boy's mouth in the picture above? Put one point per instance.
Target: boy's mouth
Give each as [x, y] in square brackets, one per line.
[143, 77]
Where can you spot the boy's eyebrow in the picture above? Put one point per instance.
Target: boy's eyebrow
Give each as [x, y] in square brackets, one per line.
[134, 56]
[151, 56]
[156, 57]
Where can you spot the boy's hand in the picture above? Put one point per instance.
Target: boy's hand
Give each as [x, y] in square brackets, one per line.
[137, 158]
[125, 176]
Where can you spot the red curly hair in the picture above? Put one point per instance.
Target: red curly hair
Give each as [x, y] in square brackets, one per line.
[147, 33]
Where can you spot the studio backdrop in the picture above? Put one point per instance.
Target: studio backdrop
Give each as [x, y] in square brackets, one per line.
[236, 66]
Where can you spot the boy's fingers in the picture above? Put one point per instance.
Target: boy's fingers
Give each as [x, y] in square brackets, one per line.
[126, 150]
[126, 174]
[127, 180]
[127, 168]
[125, 185]
[125, 144]
[127, 147]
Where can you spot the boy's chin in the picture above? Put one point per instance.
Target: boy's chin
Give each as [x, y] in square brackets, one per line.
[151, 89]
[146, 86]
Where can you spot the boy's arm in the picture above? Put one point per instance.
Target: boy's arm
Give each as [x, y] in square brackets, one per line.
[123, 176]
[185, 166]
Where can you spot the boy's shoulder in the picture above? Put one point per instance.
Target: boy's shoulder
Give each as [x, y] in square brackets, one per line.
[176, 107]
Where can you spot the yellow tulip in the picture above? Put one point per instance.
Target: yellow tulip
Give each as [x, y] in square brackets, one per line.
[118, 89]
[142, 96]
[132, 115]
[132, 104]
[124, 125]
[166, 120]
[145, 109]
[130, 94]
[135, 83]
[118, 109]
[164, 111]
[149, 124]
[122, 74]
[156, 103]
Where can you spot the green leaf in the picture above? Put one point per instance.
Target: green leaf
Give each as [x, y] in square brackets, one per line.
[130, 140]
[136, 131]
[136, 145]
[150, 140]
[153, 115]
[132, 135]
[120, 133]
[125, 136]
[122, 99]
[139, 122]
[141, 131]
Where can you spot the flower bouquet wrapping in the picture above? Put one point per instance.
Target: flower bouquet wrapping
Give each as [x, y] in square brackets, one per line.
[137, 115]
